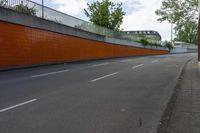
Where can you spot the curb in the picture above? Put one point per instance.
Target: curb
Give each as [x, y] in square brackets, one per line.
[20, 67]
[166, 116]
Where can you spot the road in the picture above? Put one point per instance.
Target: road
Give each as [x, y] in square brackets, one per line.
[122, 95]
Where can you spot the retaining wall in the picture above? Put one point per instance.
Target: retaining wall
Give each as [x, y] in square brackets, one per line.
[22, 44]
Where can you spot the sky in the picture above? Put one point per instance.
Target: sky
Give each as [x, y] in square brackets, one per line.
[140, 14]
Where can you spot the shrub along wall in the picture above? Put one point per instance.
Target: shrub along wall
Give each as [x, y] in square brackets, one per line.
[21, 45]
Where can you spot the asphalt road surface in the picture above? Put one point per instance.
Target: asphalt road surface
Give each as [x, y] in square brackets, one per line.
[123, 95]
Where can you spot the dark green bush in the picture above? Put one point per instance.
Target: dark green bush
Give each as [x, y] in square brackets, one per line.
[168, 45]
[144, 42]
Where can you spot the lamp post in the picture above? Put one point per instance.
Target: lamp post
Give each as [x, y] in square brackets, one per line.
[42, 8]
[171, 33]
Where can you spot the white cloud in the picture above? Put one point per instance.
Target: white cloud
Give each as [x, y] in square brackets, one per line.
[146, 19]
[140, 14]
[72, 7]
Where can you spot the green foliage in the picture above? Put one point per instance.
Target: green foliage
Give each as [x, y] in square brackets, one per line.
[106, 14]
[188, 32]
[95, 29]
[25, 9]
[178, 11]
[168, 45]
[182, 13]
[144, 42]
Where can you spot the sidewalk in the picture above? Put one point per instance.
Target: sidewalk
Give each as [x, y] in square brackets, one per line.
[184, 114]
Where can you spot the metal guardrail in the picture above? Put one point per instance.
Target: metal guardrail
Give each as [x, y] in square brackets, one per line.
[59, 17]
[56, 16]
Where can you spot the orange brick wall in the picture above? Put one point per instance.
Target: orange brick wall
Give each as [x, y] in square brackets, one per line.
[21, 45]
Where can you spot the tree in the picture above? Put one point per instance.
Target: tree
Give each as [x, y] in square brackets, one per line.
[182, 13]
[178, 11]
[106, 14]
[188, 32]
[198, 40]
[168, 45]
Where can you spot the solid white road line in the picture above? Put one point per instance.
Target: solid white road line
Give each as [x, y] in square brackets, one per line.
[126, 60]
[134, 67]
[51, 73]
[104, 77]
[155, 61]
[18, 105]
[103, 64]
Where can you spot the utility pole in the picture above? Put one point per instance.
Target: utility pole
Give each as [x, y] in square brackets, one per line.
[171, 33]
[42, 8]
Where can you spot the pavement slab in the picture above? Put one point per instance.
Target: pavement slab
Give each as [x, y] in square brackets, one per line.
[185, 113]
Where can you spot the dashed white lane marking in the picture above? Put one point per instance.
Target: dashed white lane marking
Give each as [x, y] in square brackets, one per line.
[103, 64]
[106, 76]
[51, 73]
[134, 67]
[17, 105]
[123, 110]
[155, 61]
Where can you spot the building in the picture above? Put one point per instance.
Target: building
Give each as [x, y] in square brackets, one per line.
[150, 35]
